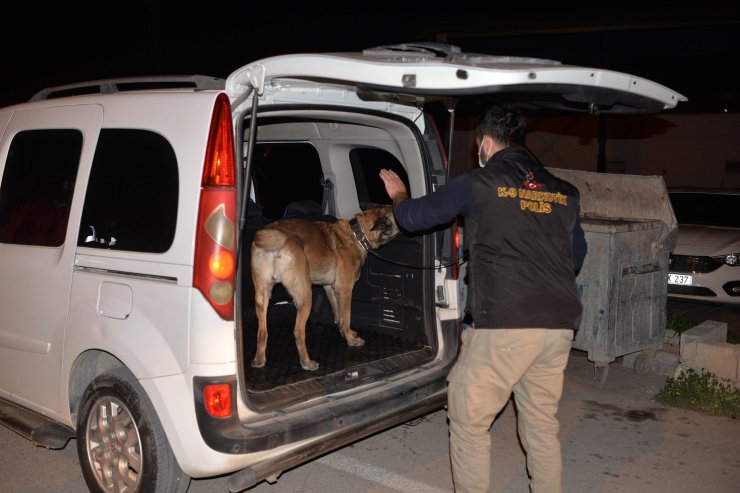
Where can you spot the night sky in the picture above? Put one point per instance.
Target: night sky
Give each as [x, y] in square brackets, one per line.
[693, 50]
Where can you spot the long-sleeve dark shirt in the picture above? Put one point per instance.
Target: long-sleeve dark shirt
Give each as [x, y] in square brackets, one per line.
[524, 237]
[455, 199]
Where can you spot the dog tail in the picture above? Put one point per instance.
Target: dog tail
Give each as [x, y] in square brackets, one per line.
[270, 239]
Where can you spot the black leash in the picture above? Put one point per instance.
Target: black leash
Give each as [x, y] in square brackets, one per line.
[459, 262]
[367, 246]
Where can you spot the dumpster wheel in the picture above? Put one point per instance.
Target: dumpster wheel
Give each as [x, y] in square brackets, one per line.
[644, 363]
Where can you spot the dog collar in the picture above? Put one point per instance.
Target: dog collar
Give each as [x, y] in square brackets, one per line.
[359, 235]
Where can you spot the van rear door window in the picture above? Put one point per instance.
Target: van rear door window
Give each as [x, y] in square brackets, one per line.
[131, 200]
[366, 165]
[286, 172]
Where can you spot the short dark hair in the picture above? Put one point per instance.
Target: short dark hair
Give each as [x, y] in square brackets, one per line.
[504, 123]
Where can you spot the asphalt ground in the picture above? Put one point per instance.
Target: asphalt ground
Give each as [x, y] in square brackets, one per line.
[616, 437]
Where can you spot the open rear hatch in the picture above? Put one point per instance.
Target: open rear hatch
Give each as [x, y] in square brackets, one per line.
[333, 104]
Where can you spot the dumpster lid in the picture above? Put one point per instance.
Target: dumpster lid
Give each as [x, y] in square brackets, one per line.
[611, 196]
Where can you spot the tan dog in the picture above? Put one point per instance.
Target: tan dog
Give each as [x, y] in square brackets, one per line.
[302, 252]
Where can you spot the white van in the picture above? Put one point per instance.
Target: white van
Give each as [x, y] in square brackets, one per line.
[127, 209]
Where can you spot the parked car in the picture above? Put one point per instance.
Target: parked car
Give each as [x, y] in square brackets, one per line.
[127, 209]
[705, 263]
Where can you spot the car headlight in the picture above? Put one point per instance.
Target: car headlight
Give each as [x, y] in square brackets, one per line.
[729, 259]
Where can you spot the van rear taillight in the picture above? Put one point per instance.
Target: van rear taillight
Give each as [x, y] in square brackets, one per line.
[215, 242]
[217, 399]
[219, 170]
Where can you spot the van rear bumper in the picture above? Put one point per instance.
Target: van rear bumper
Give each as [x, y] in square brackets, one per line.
[381, 404]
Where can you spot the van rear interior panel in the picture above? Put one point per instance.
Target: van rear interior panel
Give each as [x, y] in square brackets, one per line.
[294, 153]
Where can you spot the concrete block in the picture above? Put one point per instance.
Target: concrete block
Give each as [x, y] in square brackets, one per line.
[665, 363]
[688, 352]
[707, 331]
[719, 358]
[682, 368]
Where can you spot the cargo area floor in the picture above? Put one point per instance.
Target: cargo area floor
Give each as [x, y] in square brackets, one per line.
[282, 380]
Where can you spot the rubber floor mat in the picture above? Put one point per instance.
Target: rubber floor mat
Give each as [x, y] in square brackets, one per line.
[282, 379]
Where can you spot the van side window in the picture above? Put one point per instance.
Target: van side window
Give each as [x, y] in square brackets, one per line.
[37, 186]
[366, 165]
[286, 172]
[131, 200]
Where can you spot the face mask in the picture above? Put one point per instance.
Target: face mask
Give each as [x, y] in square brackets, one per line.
[481, 163]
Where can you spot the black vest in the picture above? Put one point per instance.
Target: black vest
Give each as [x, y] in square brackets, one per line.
[519, 233]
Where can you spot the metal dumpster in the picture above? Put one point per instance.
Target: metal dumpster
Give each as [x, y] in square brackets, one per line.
[630, 229]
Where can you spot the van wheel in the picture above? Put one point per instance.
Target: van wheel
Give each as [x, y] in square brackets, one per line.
[120, 442]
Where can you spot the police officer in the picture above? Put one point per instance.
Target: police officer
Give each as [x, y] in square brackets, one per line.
[526, 246]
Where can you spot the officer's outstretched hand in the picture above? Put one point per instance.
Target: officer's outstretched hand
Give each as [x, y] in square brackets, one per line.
[394, 186]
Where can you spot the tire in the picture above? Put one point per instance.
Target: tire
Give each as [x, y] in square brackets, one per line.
[121, 445]
[644, 363]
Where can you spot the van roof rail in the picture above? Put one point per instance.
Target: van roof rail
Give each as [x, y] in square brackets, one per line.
[121, 84]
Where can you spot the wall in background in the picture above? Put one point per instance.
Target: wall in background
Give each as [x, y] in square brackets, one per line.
[687, 150]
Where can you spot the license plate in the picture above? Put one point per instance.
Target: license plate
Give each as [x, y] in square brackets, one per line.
[681, 279]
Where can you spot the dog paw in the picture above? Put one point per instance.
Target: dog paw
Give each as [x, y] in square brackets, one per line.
[310, 365]
[256, 363]
[356, 341]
